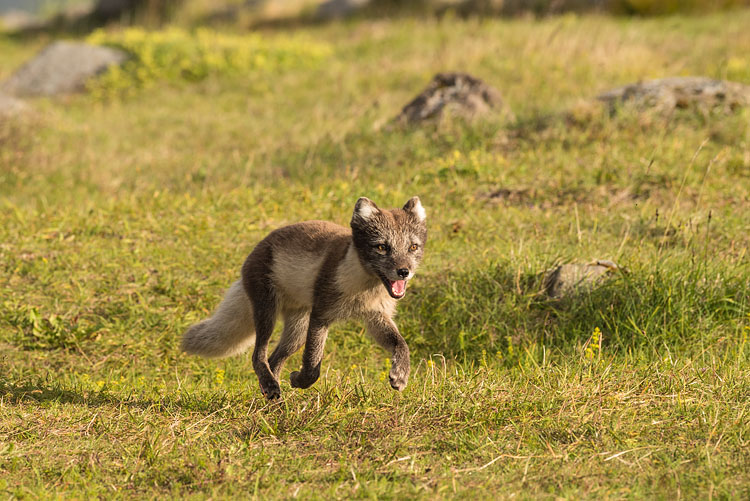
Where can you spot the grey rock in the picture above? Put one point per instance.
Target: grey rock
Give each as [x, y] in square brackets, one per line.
[19, 20]
[456, 94]
[112, 9]
[75, 17]
[568, 279]
[666, 94]
[75, 13]
[335, 9]
[61, 68]
[10, 106]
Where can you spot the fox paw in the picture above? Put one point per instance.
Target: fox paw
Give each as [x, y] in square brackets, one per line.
[271, 390]
[398, 378]
[303, 380]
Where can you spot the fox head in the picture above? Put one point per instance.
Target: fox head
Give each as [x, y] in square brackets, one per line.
[390, 243]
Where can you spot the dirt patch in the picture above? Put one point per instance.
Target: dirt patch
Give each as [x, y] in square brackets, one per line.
[508, 196]
[541, 198]
[11, 106]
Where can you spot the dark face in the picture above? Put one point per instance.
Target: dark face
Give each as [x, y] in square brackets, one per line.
[390, 243]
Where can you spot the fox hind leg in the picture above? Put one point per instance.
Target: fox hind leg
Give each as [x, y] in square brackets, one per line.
[256, 280]
[264, 309]
[265, 319]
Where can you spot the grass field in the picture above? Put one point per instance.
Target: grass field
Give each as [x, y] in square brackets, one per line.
[123, 220]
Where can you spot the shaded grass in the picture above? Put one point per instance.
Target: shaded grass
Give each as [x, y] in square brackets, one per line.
[451, 432]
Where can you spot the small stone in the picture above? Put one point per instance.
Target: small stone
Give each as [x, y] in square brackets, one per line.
[568, 279]
[61, 68]
[456, 94]
[667, 94]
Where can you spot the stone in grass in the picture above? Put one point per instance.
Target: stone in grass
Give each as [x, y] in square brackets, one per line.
[667, 94]
[568, 279]
[457, 94]
[336, 9]
[62, 67]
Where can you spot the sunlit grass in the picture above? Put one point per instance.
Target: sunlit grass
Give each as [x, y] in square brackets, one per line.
[174, 55]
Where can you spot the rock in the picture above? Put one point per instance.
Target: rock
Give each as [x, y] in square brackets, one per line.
[571, 278]
[19, 20]
[60, 68]
[336, 9]
[75, 17]
[108, 10]
[105, 11]
[10, 106]
[458, 94]
[666, 94]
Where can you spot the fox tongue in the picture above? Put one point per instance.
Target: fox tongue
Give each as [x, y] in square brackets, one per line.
[398, 287]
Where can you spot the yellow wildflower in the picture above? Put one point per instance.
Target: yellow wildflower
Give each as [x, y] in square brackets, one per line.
[594, 346]
[219, 376]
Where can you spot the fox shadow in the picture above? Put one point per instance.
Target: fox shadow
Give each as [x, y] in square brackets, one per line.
[43, 391]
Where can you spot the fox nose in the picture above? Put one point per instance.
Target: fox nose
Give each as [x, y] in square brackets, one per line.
[403, 272]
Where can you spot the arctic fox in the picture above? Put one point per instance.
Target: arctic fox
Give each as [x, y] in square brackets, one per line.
[315, 273]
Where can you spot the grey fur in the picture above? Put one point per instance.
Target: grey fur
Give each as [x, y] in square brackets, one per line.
[384, 331]
[292, 339]
[228, 332]
[314, 274]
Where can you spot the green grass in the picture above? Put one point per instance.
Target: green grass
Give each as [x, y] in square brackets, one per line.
[124, 219]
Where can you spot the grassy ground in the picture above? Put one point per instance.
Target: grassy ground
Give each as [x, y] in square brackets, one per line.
[124, 220]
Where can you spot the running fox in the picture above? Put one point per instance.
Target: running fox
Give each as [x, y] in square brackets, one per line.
[315, 273]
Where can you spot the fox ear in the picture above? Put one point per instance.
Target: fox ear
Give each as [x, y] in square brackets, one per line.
[365, 208]
[414, 206]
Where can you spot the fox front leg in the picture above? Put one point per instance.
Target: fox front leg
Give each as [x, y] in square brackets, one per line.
[385, 332]
[317, 333]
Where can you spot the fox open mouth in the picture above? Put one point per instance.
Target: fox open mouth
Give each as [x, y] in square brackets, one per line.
[396, 288]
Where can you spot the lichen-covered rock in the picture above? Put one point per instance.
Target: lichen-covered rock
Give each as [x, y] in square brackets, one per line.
[666, 94]
[457, 94]
[62, 67]
[569, 279]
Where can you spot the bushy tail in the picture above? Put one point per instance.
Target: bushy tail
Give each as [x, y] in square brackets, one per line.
[230, 331]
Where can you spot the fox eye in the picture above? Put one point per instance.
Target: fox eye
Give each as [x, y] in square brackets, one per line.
[413, 247]
[381, 247]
